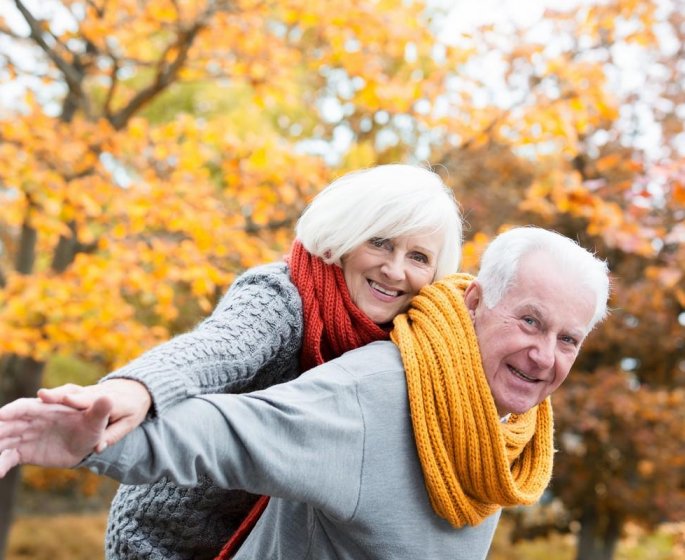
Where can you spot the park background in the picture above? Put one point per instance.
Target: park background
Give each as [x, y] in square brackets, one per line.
[151, 151]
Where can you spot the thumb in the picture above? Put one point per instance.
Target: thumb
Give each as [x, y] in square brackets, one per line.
[116, 431]
[97, 415]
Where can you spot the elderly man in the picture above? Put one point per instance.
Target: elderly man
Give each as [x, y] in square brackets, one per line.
[404, 450]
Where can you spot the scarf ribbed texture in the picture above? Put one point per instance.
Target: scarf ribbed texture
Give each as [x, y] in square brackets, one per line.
[473, 463]
[333, 324]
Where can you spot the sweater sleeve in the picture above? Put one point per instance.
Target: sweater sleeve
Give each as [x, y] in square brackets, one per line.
[257, 323]
[300, 441]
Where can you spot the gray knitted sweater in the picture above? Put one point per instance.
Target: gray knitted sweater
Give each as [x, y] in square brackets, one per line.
[335, 450]
[251, 341]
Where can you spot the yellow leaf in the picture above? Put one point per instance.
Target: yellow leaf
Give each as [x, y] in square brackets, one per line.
[678, 193]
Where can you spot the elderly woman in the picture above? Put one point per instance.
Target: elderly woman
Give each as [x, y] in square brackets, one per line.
[364, 247]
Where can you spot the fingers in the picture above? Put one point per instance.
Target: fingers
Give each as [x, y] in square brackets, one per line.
[17, 409]
[51, 435]
[10, 432]
[101, 446]
[59, 392]
[70, 394]
[130, 397]
[9, 458]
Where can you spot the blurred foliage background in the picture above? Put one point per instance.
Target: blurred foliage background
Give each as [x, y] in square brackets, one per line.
[151, 151]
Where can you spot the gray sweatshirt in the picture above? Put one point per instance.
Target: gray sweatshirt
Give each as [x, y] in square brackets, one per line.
[251, 341]
[335, 449]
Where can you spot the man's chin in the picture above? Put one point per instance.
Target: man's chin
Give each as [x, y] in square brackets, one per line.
[508, 406]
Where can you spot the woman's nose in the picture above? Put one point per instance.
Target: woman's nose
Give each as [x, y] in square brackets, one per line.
[393, 268]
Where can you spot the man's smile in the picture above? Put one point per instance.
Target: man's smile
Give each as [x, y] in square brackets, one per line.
[518, 373]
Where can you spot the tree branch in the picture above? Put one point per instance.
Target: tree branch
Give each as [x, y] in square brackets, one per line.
[165, 76]
[272, 225]
[72, 74]
[100, 11]
[7, 31]
[107, 106]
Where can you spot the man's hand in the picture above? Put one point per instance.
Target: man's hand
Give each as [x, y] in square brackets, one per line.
[131, 403]
[49, 435]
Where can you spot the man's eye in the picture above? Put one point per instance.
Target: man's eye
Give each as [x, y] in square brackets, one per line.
[530, 321]
[569, 340]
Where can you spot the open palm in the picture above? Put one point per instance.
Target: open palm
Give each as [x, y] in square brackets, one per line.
[50, 435]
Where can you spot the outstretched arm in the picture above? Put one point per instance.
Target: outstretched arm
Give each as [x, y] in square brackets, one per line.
[33, 432]
[250, 341]
[302, 441]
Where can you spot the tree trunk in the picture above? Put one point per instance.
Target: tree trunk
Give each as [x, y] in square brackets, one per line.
[26, 256]
[19, 377]
[65, 250]
[599, 535]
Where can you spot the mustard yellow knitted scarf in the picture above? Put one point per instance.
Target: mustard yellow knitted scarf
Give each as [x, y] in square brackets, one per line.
[473, 463]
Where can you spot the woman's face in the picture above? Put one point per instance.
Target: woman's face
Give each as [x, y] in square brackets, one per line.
[383, 275]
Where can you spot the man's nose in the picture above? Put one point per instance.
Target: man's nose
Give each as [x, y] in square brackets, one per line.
[542, 352]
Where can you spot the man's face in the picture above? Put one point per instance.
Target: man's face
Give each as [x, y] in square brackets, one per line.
[530, 339]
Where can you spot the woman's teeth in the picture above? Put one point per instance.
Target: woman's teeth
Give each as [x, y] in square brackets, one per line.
[381, 289]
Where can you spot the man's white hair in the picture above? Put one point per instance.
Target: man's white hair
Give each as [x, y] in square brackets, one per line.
[502, 257]
[386, 201]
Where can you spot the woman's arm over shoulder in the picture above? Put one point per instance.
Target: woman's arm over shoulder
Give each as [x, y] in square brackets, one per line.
[255, 331]
[302, 440]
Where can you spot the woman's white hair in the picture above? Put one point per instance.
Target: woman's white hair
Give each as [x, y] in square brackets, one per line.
[501, 259]
[386, 201]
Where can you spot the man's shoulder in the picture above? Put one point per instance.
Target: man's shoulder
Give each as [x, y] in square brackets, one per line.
[372, 359]
[375, 364]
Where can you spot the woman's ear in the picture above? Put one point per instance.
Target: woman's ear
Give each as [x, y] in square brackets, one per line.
[472, 298]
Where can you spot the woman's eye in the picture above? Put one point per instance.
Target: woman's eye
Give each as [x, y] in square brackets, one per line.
[419, 257]
[378, 242]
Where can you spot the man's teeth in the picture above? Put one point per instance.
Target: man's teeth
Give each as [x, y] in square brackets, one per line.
[383, 290]
[521, 374]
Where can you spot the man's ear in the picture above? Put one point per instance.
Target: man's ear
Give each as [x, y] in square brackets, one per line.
[472, 297]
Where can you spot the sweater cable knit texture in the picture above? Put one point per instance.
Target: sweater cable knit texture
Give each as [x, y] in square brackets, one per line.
[472, 462]
[251, 341]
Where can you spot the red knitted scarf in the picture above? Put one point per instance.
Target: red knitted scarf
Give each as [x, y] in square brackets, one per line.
[333, 324]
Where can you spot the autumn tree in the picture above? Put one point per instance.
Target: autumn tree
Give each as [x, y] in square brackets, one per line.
[164, 146]
[585, 147]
